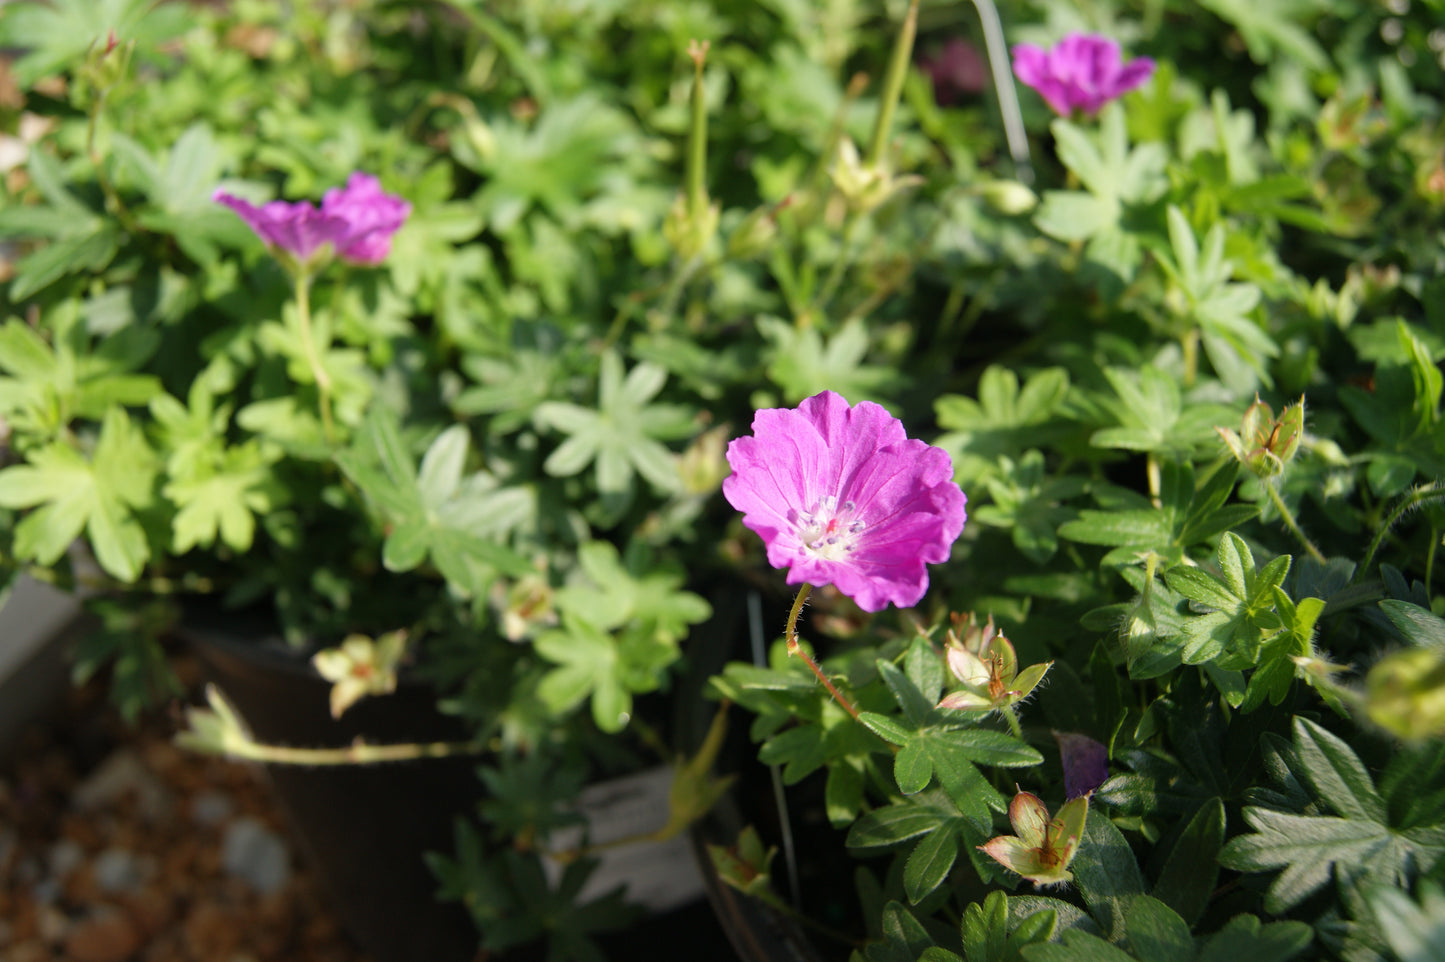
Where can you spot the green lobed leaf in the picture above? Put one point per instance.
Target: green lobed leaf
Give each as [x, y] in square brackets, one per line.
[1336, 773]
[1243, 939]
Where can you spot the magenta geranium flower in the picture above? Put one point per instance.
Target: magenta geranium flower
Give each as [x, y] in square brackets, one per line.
[842, 496]
[1082, 72]
[357, 221]
[955, 70]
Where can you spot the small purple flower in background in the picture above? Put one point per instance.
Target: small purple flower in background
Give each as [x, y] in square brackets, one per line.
[842, 496]
[371, 215]
[356, 221]
[956, 69]
[1082, 72]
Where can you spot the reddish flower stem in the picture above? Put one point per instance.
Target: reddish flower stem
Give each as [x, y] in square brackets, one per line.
[796, 649]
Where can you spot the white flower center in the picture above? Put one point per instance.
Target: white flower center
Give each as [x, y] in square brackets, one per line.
[828, 529]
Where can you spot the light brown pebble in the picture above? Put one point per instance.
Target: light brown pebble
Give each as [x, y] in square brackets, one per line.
[151, 909]
[33, 951]
[210, 932]
[108, 935]
[54, 926]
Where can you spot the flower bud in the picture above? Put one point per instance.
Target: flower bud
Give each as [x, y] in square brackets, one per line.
[1405, 693]
[690, 232]
[755, 235]
[1040, 849]
[107, 62]
[1008, 197]
[863, 185]
[1265, 444]
[525, 606]
[990, 676]
[704, 464]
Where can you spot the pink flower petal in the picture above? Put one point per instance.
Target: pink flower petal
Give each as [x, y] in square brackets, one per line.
[1082, 72]
[840, 495]
[357, 221]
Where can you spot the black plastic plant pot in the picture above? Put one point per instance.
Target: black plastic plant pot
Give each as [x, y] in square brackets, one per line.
[363, 828]
[757, 931]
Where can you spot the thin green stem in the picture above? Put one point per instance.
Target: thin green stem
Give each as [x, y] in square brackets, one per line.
[1011, 716]
[796, 649]
[358, 753]
[1424, 493]
[845, 258]
[1430, 560]
[697, 135]
[1152, 473]
[678, 285]
[313, 359]
[1190, 346]
[107, 189]
[893, 84]
[1287, 517]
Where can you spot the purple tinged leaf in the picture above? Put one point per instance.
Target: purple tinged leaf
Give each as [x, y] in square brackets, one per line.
[1086, 763]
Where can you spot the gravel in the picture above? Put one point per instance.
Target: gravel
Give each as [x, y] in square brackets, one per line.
[116, 846]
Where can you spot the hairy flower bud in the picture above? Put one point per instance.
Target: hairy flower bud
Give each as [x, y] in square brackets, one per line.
[1405, 693]
[1266, 444]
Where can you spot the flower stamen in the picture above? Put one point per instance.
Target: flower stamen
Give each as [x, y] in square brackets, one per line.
[829, 529]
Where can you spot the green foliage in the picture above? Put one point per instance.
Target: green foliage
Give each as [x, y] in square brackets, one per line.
[513, 903]
[621, 436]
[434, 511]
[1364, 840]
[99, 496]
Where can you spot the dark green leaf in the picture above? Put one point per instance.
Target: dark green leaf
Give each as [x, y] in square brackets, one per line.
[1245, 940]
[1076, 946]
[1187, 880]
[1106, 873]
[1156, 933]
[1337, 773]
[929, 863]
[1419, 626]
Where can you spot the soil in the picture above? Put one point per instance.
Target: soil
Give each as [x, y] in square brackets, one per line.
[116, 846]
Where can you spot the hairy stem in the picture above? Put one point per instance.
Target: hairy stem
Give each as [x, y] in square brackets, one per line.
[796, 649]
[113, 202]
[1425, 493]
[1012, 717]
[1289, 522]
[1190, 346]
[1155, 479]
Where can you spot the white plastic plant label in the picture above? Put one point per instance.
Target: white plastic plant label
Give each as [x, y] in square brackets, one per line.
[659, 875]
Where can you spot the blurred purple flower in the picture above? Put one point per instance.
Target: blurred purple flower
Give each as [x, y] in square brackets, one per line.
[842, 496]
[1082, 72]
[357, 221]
[1086, 763]
[955, 70]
